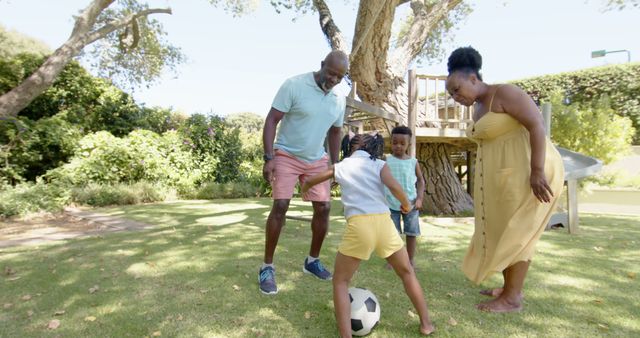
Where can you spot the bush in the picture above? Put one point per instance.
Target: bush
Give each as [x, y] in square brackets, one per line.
[226, 190]
[98, 195]
[216, 147]
[621, 83]
[26, 198]
[141, 156]
[594, 130]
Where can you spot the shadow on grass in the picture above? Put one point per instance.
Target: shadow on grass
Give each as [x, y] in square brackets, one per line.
[195, 274]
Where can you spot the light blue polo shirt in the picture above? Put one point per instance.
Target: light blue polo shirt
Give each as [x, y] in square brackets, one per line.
[308, 115]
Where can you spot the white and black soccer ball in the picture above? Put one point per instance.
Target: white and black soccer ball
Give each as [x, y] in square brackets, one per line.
[365, 311]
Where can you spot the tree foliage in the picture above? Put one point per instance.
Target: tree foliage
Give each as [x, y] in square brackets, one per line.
[591, 128]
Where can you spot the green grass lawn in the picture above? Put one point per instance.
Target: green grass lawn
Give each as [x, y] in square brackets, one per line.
[195, 275]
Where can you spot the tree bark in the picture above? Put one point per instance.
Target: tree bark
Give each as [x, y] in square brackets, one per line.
[444, 194]
[12, 102]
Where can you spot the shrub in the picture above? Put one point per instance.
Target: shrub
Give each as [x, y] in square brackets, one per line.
[141, 156]
[621, 83]
[98, 195]
[593, 129]
[216, 147]
[26, 198]
[226, 190]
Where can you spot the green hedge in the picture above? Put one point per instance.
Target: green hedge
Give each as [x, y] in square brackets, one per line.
[621, 83]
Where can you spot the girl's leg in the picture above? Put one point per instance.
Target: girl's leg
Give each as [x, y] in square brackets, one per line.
[345, 267]
[510, 299]
[400, 263]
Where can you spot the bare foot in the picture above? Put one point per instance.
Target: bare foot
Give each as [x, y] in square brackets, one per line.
[501, 304]
[496, 293]
[427, 329]
[492, 292]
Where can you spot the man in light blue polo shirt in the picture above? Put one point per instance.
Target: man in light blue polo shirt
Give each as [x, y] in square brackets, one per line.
[308, 111]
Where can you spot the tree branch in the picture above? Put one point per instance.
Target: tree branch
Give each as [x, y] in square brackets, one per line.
[117, 24]
[328, 26]
[425, 19]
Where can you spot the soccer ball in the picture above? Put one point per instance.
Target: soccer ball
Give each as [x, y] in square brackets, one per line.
[365, 311]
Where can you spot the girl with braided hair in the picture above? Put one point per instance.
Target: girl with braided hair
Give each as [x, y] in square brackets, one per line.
[363, 177]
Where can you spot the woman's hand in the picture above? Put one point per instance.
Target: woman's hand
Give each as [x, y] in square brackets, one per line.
[540, 187]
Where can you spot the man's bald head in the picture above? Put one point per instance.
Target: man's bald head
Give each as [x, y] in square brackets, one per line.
[332, 70]
[337, 57]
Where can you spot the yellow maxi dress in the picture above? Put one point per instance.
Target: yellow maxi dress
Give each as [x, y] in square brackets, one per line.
[509, 219]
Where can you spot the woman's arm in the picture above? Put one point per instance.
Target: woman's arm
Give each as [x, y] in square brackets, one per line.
[519, 105]
[395, 188]
[313, 180]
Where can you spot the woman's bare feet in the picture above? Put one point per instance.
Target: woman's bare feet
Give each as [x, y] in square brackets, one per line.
[427, 329]
[501, 304]
[492, 292]
[495, 293]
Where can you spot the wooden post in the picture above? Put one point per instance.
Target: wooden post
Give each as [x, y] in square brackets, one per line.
[546, 115]
[413, 109]
[572, 204]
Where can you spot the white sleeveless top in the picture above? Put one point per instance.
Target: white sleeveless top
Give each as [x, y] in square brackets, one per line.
[362, 187]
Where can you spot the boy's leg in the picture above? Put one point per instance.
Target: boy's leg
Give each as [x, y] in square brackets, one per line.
[412, 231]
[345, 267]
[400, 262]
[411, 248]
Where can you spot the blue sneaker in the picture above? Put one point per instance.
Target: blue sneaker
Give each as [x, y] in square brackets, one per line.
[315, 268]
[267, 280]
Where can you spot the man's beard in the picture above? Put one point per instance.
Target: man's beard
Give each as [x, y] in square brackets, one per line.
[323, 84]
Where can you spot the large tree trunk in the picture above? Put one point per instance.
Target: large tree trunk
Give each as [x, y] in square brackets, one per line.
[444, 193]
[83, 34]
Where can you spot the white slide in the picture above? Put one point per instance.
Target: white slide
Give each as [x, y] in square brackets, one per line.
[576, 166]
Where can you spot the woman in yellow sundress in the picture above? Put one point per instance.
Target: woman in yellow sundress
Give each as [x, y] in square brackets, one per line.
[518, 177]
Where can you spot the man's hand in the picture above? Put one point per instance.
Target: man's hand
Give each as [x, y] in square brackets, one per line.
[267, 171]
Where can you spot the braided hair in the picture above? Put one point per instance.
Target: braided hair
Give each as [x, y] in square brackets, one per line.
[372, 144]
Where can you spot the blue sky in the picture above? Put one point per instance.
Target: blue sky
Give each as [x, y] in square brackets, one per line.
[237, 64]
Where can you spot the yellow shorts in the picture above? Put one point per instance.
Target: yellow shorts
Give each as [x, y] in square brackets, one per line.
[366, 233]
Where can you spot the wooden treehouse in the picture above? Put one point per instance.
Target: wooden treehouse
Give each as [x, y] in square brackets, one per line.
[439, 139]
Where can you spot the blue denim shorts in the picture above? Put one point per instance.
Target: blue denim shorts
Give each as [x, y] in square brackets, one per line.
[411, 222]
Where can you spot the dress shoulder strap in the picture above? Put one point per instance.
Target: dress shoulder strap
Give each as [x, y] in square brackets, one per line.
[492, 96]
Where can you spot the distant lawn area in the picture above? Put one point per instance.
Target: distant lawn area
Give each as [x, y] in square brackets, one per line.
[195, 275]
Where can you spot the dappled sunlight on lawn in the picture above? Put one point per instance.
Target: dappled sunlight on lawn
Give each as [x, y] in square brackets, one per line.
[195, 274]
[222, 220]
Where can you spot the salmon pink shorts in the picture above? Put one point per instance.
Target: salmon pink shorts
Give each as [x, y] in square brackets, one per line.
[290, 170]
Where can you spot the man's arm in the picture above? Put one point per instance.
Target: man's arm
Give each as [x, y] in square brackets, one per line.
[334, 137]
[268, 135]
